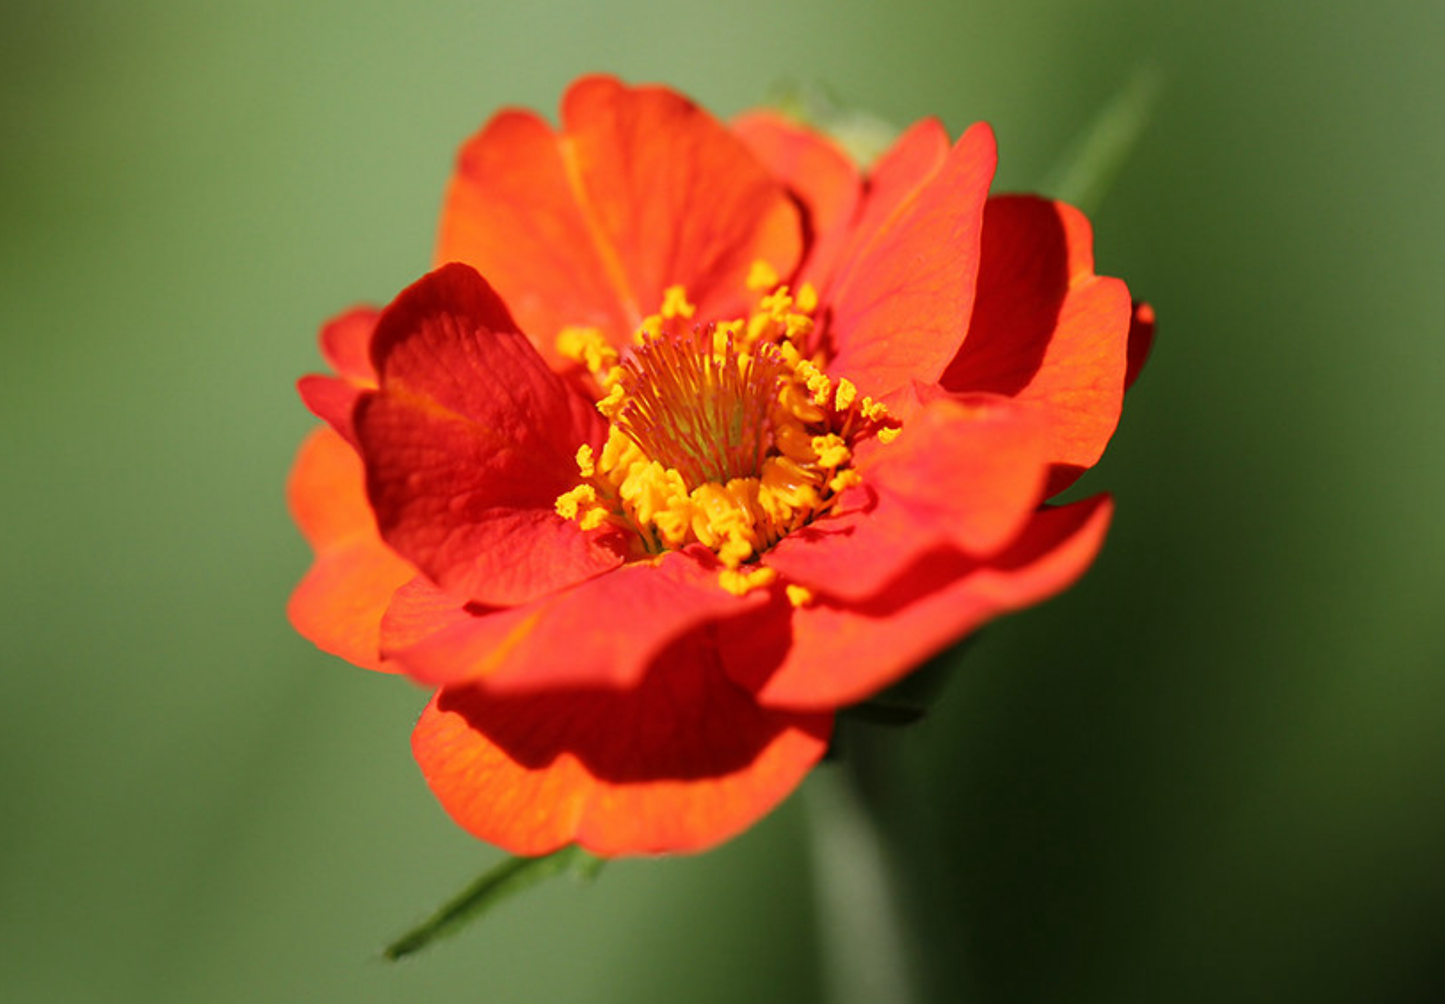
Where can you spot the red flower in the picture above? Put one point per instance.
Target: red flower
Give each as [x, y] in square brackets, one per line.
[696, 436]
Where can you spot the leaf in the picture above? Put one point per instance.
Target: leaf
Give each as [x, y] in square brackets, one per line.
[506, 879]
[1084, 175]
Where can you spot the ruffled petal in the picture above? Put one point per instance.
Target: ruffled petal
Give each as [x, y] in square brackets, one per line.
[641, 190]
[823, 179]
[602, 633]
[339, 604]
[904, 293]
[1046, 330]
[834, 653]
[681, 763]
[468, 443]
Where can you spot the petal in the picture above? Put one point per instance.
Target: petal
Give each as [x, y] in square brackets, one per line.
[974, 466]
[468, 443]
[681, 763]
[1141, 341]
[641, 190]
[675, 195]
[834, 653]
[903, 296]
[968, 473]
[339, 604]
[903, 169]
[818, 174]
[869, 540]
[511, 212]
[346, 342]
[1046, 330]
[602, 633]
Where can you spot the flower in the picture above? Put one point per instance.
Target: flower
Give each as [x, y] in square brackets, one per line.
[695, 435]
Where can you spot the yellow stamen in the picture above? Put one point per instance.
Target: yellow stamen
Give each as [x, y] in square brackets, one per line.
[723, 436]
[798, 596]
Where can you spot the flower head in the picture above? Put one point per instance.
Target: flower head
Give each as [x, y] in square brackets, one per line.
[696, 435]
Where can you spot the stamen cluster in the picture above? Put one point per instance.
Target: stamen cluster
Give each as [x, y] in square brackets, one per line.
[721, 434]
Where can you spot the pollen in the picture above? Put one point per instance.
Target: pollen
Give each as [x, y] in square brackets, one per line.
[723, 433]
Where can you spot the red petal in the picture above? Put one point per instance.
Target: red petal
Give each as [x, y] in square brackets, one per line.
[641, 190]
[469, 442]
[339, 604]
[1046, 330]
[1141, 341]
[902, 300]
[975, 467]
[833, 654]
[681, 763]
[346, 341]
[602, 633]
[820, 175]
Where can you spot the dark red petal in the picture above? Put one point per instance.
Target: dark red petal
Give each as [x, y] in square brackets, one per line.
[1046, 330]
[681, 763]
[602, 633]
[820, 175]
[1141, 341]
[902, 300]
[468, 443]
[835, 653]
[338, 606]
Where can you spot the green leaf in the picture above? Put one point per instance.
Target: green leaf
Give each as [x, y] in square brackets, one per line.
[506, 879]
[1084, 175]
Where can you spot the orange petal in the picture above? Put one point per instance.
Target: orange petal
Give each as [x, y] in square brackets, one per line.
[602, 633]
[1046, 330]
[468, 443]
[835, 653]
[641, 190]
[820, 175]
[339, 604]
[903, 296]
[681, 763]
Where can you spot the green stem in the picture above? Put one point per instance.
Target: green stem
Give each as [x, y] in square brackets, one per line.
[868, 952]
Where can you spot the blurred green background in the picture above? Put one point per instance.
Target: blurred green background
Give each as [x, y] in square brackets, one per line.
[1213, 771]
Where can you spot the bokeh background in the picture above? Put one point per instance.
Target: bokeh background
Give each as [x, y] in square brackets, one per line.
[1213, 771]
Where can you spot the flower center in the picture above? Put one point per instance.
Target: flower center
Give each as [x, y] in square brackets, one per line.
[721, 433]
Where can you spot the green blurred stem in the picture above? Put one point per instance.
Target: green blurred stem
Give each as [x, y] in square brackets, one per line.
[1086, 173]
[871, 951]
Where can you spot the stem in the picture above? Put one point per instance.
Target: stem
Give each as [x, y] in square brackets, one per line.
[868, 953]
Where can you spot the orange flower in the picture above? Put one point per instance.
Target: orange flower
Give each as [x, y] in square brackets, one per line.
[695, 436]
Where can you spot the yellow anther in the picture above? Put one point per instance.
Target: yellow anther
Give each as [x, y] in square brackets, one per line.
[832, 451]
[844, 479]
[762, 276]
[777, 303]
[886, 436]
[579, 499]
[741, 583]
[586, 461]
[807, 298]
[587, 346]
[872, 409]
[674, 303]
[846, 394]
[798, 596]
